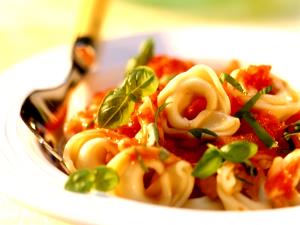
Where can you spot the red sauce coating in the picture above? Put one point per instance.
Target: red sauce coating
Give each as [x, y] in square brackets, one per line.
[191, 149]
[196, 106]
[257, 77]
[208, 186]
[280, 185]
[164, 65]
[131, 128]
[85, 119]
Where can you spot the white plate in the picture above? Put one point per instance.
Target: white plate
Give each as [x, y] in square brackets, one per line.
[28, 177]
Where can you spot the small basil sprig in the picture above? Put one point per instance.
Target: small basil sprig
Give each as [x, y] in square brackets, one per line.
[251, 102]
[213, 157]
[163, 154]
[198, 132]
[226, 77]
[101, 178]
[119, 104]
[263, 135]
[245, 113]
[209, 163]
[144, 55]
[238, 151]
[155, 126]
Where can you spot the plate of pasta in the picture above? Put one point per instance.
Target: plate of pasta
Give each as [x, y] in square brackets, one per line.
[174, 127]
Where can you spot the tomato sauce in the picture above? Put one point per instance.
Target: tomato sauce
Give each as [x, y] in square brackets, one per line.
[131, 128]
[196, 106]
[250, 182]
[188, 148]
[85, 119]
[58, 120]
[283, 184]
[257, 77]
[207, 186]
[164, 65]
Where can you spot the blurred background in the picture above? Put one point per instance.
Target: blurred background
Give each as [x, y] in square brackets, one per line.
[31, 26]
[28, 27]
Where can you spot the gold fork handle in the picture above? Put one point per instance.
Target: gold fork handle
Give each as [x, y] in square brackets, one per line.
[91, 18]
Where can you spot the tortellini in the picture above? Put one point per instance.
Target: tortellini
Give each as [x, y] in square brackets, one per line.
[283, 179]
[202, 81]
[283, 104]
[229, 191]
[91, 148]
[145, 177]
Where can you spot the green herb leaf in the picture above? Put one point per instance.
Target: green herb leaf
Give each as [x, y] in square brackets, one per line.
[297, 126]
[115, 109]
[198, 132]
[106, 179]
[238, 151]
[208, 164]
[143, 57]
[119, 104]
[101, 178]
[155, 127]
[141, 162]
[141, 82]
[263, 135]
[163, 154]
[80, 181]
[234, 83]
[251, 102]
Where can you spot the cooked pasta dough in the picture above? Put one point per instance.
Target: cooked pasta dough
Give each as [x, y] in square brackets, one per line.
[202, 81]
[283, 104]
[91, 148]
[191, 138]
[170, 182]
[282, 184]
[229, 191]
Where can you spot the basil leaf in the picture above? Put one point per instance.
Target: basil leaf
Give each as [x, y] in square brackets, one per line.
[155, 127]
[226, 77]
[141, 82]
[101, 178]
[80, 181]
[119, 104]
[238, 151]
[263, 135]
[198, 132]
[106, 179]
[163, 154]
[141, 162]
[115, 109]
[143, 57]
[251, 102]
[208, 164]
[297, 126]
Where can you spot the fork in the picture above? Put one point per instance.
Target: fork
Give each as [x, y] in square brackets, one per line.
[43, 111]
